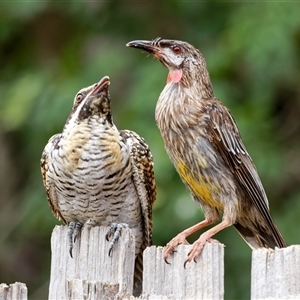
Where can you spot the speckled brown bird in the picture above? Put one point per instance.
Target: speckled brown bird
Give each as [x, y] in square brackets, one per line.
[205, 146]
[95, 174]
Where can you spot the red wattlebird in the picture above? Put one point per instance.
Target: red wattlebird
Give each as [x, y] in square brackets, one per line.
[205, 146]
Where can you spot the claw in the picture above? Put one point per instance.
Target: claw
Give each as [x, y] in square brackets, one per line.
[109, 231]
[166, 255]
[184, 265]
[77, 230]
[115, 231]
[110, 249]
[189, 260]
[74, 229]
[171, 246]
[166, 260]
[70, 237]
[196, 250]
[169, 250]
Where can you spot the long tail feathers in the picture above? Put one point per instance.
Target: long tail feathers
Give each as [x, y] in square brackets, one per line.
[259, 238]
[138, 275]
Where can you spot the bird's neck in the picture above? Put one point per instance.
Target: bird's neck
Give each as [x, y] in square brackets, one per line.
[199, 85]
[175, 76]
[91, 124]
[173, 107]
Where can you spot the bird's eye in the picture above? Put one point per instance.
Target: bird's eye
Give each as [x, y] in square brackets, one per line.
[176, 49]
[79, 97]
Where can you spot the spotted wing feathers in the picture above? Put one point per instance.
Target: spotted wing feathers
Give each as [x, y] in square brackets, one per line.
[143, 177]
[48, 181]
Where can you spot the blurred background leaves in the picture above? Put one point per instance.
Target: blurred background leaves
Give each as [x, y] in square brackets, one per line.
[50, 49]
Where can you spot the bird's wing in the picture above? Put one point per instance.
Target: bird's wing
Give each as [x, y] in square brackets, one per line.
[48, 180]
[144, 181]
[226, 138]
[143, 178]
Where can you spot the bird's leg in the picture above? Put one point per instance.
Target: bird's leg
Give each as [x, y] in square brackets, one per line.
[73, 229]
[70, 237]
[181, 237]
[77, 230]
[115, 231]
[205, 237]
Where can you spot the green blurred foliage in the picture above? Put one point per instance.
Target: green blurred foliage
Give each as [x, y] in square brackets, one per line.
[49, 50]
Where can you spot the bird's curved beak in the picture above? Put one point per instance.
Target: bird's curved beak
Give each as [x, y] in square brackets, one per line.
[149, 46]
[101, 85]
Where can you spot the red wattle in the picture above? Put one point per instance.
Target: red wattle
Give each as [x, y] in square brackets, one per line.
[174, 76]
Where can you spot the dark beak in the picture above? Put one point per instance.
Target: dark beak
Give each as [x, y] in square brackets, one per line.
[149, 46]
[101, 85]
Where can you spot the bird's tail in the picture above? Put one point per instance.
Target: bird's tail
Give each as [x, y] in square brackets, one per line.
[258, 238]
[138, 275]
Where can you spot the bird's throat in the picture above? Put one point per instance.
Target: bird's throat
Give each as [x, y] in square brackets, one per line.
[174, 76]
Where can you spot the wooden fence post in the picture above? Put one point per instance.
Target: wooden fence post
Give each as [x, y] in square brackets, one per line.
[276, 273]
[92, 274]
[201, 280]
[15, 291]
[91, 267]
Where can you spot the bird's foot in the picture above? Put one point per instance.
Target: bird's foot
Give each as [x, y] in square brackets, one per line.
[73, 232]
[170, 247]
[197, 248]
[115, 231]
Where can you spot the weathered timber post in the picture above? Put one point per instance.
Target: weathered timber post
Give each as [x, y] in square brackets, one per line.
[14, 291]
[91, 273]
[201, 280]
[275, 273]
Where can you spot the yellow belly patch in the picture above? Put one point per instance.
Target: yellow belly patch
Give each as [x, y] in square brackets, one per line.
[199, 187]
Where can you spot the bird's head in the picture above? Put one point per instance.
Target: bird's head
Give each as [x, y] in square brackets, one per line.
[186, 64]
[92, 100]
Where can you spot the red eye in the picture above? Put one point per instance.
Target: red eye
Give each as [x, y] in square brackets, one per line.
[176, 49]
